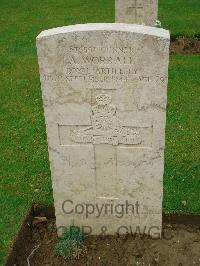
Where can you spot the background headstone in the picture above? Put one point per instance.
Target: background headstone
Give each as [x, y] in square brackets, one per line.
[136, 11]
[104, 92]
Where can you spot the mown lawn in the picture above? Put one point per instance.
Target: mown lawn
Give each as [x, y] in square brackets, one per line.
[182, 155]
[181, 17]
[24, 19]
[24, 171]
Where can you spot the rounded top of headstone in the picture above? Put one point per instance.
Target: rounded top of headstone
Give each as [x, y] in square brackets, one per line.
[120, 27]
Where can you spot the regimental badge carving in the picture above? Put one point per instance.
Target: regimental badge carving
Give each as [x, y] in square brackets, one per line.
[106, 127]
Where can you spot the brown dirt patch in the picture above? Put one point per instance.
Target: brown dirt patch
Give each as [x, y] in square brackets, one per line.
[185, 45]
[180, 246]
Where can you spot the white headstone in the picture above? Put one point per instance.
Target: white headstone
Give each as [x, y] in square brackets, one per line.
[136, 11]
[104, 91]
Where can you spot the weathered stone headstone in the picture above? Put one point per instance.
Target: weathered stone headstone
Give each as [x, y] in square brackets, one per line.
[136, 11]
[104, 92]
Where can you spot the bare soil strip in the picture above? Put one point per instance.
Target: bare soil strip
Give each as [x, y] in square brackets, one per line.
[185, 45]
[179, 245]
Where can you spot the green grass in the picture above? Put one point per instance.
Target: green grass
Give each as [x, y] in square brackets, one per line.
[182, 156]
[181, 17]
[24, 171]
[24, 19]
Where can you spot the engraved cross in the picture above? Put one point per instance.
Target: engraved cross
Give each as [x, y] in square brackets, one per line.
[134, 9]
[105, 129]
